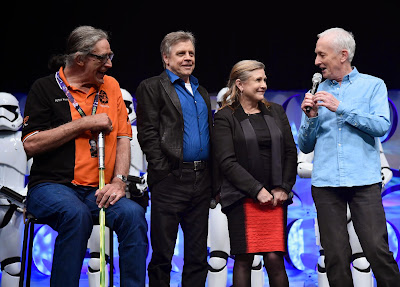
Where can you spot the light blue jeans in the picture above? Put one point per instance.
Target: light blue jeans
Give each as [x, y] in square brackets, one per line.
[70, 210]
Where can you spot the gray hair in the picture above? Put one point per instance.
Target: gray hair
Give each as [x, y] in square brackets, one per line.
[342, 40]
[173, 38]
[82, 40]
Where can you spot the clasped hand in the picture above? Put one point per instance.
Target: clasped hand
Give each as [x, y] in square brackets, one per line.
[99, 123]
[277, 196]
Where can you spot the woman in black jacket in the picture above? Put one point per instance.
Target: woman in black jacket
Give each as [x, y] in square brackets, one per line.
[257, 160]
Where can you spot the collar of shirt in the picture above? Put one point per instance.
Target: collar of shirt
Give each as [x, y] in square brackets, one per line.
[176, 80]
[75, 91]
[351, 77]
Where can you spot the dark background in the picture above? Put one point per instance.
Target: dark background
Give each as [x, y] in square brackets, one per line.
[282, 35]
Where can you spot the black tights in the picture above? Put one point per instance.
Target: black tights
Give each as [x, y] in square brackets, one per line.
[273, 262]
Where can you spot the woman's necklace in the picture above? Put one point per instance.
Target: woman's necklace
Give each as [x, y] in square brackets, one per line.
[251, 111]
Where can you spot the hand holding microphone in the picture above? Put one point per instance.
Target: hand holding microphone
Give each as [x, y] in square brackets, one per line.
[316, 79]
[318, 99]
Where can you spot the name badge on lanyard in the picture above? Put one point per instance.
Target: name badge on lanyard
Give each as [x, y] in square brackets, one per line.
[64, 88]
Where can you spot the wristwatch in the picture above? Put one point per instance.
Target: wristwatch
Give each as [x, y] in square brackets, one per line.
[122, 177]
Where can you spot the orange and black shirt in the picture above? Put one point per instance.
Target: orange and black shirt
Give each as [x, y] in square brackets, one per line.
[75, 162]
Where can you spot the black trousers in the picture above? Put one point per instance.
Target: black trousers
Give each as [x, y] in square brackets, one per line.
[183, 200]
[369, 221]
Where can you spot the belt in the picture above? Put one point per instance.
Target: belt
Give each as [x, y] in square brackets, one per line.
[195, 165]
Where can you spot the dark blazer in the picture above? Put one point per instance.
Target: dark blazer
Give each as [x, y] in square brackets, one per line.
[160, 125]
[232, 154]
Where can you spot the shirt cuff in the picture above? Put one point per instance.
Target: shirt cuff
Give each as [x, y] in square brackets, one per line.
[310, 122]
[29, 135]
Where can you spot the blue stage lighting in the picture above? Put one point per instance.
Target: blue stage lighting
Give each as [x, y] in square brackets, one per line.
[43, 248]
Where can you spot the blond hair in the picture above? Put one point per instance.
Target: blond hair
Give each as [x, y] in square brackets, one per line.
[241, 70]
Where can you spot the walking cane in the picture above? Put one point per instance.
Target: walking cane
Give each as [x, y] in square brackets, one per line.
[102, 216]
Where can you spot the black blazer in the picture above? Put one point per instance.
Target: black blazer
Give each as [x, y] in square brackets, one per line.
[160, 125]
[234, 182]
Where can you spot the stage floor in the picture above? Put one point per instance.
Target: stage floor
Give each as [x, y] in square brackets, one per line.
[299, 280]
[296, 279]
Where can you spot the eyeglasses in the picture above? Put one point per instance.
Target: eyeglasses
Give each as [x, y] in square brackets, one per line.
[102, 58]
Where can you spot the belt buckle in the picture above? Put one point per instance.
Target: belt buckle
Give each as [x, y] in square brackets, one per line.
[197, 165]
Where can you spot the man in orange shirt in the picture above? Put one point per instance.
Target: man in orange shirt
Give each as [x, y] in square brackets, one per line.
[63, 115]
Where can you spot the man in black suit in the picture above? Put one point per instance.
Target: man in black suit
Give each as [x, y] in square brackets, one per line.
[174, 121]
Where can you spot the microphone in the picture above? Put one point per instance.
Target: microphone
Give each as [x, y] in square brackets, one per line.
[316, 79]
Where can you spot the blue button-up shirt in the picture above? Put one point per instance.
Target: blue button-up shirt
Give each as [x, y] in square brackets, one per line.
[346, 142]
[196, 136]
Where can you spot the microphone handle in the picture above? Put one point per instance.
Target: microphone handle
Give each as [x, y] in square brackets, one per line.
[313, 90]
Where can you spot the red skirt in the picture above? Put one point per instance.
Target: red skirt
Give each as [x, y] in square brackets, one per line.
[255, 228]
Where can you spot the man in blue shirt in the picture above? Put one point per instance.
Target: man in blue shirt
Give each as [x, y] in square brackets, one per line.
[174, 121]
[348, 114]
[196, 136]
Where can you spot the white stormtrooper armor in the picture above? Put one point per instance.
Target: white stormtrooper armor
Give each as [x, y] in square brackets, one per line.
[386, 173]
[360, 269]
[218, 241]
[138, 159]
[138, 164]
[13, 166]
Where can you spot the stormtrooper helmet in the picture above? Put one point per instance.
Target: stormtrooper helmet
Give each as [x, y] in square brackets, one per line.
[129, 105]
[10, 116]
